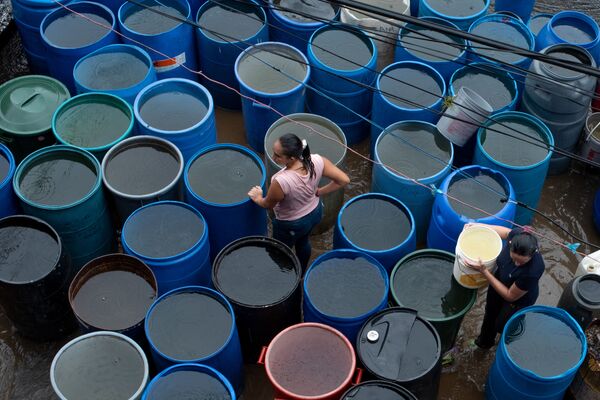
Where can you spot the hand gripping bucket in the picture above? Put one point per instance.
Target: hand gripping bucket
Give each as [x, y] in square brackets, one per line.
[474, 243]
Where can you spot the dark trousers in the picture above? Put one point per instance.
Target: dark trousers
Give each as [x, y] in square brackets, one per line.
[295, 234]
[497, 313]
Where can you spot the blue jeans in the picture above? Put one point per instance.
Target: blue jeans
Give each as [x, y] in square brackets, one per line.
[295, 233]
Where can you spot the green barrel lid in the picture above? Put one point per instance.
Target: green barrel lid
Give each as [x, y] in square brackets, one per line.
[27, 104]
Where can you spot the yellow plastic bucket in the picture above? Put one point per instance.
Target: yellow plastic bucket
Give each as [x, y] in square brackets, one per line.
[474, 243]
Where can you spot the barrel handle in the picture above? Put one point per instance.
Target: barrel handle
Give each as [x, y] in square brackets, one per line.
[357, 378]
[260, 105]
[262, 356]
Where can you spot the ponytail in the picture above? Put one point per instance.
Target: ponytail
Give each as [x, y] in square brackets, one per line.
[306, 160]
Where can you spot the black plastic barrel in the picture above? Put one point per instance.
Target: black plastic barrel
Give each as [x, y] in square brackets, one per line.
[378, 390]
[397, 345]
[35, 273]
[261, 279]
[581, 299]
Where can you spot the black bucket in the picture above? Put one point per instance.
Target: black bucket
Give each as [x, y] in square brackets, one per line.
[261, 279]
[581, 299]
[378, 390]
[35, 273]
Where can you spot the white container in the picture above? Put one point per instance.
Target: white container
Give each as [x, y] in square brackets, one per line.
[474, 243]
[590, 148]
[589, 265]
[383, 34]
[464, 116]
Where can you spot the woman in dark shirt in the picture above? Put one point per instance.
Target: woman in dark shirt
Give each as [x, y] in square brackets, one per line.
[514, 285]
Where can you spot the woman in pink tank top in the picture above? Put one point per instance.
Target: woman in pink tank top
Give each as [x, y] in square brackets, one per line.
[294, 192]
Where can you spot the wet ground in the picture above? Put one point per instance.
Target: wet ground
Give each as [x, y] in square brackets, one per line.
[566, 199]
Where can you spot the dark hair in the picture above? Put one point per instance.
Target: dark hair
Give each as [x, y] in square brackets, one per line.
[292, 147]
[524, 244]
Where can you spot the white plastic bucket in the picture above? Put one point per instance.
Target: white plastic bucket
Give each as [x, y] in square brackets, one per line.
[590, 148]
[386, 34]
[473, 243]
[456, 123]
[589, 265]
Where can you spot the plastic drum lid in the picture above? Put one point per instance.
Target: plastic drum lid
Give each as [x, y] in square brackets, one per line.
[587, 291]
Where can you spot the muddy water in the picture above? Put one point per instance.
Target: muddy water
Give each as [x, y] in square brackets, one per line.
[567, 199]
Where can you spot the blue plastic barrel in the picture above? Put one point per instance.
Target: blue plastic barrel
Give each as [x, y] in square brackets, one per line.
[220, 46]
[343, 288]
[284, 89]
[509, 379]
[415, 44]
[178, 110]
[8, 201]
[296, 29]
[230, 214]
[459, 12]
[113, 5]
[119, 69]
[522, 8]
[63, 51]
[486, 187]
[332, 75]
[195, 324]
[178, 380]
[173, 42]
[597, 210]
[408, 139]
[537, 23]
[414, 8]
[387, 256]
[530, 135]
[407, 90]
[62, 185]
[572, 27]
[171, 237]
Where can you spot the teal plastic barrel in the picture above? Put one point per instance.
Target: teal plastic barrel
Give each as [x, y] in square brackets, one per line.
[62, 185]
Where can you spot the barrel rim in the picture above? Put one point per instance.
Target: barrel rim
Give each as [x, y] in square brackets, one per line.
[191, 289]
[209, 4]
[439, 21]
[186, 367]
[388, 198]
[86, 336]
[302, 60]
[238, 243]
[399, 389]
[5, 151]
[129, 49]
[203, 238]
[573, 48]
[346, 253]
[309, 118]
[38, 154]
[459, 19]
[437, 175]
[370, 65]
[102, 98]
[146, 93]
[297, 24]
[323, 327]
[216, 147]
[556, 313]
[575, 15]
[59, 12]
[126, 6]
[416, 65]
[520, 115]
[449, 257]
[129, 142]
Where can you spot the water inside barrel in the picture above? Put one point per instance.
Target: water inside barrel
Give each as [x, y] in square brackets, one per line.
[342, 49]
[431, 45]
[147, 21]
[163, 230]
[570, 30]
[99, 368]
[111, 71]
[407, 149]
[505, 32]
[113, 300]
[231, 21]
[375, 391]
[312, 362]
[542, 344]
[345, 287]
[319, 10]
[58, 179]
[521, 150]
[271, 70]
[375, 224]
[567, 55]
[27, 255]
[224, 176]
[480, 190]
[189, 326]
[457, 8]
[4, 167]
[92, 124]
[173, 111]
[536, 24]
[495, 90]
[256, 275]
[181, 385]
[409, 87]
[141, 169]
[426, 284]
[74, 31]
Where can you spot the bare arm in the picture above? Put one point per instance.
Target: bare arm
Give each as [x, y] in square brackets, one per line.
[509, 294]
[500, 230]
[339, 179]
[274, 195]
